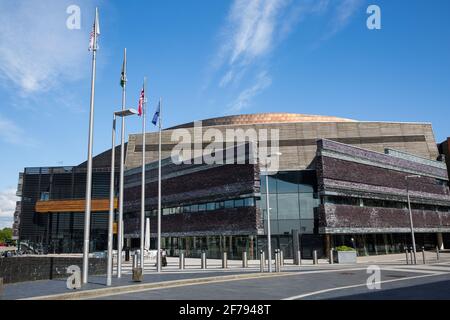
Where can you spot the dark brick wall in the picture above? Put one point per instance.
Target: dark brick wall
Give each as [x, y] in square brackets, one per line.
[381, 158]
[354, 172]
[180, 189]
[229, 221]
[343, 216]
[206, 185]
[20, 269]
[342, 170]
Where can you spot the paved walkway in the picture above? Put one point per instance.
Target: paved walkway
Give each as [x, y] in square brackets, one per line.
[192, 271]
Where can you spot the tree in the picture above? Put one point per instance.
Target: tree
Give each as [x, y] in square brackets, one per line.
[6, 235]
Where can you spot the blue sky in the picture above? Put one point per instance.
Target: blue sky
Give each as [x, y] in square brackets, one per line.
[212, 58]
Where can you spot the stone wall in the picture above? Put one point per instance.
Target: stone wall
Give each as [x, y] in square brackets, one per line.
[193, 184]
[353, 219]
[297, 141]
[350, 172]
[20, 269]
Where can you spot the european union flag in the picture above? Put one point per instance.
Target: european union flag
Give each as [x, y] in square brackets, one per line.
[156, 116]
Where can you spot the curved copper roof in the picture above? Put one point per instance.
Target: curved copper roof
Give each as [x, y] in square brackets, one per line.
[259, 118]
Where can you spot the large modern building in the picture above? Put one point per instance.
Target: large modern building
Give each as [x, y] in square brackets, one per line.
[337, 181]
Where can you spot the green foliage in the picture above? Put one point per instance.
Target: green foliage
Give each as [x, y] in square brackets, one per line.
[344, 248]
[5, 235]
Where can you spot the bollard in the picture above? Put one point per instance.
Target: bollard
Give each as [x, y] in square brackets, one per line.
[277, 260]
[299, 258]
[406, 253]
[315, 257]
[261, 261]
[203, 260]
[244, 259]
[423, 256]
[437, 253]
[411, 255]
[181, 261]
[331, 257]
[224, 261]
[137, 272]
[280, 259]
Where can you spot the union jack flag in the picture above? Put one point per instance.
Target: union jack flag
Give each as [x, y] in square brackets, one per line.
[141, 103]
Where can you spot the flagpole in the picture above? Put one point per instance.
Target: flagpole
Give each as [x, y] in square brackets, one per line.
[144, 112]
[111, 207]
[159, 188]
[88, 196]
[122, 160]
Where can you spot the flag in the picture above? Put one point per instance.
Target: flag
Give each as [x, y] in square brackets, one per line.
[123, 78]
[141, 103]
[94, 33]
[156, 116]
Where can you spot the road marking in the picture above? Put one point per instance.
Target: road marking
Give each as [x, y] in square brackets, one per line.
[416, 270]
[356, 286]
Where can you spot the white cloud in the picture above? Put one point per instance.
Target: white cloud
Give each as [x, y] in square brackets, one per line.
[248, 35]
[254, 28]
[8, 200]
[262, 82]
[345, 9]
[38, 51]
[11, 133]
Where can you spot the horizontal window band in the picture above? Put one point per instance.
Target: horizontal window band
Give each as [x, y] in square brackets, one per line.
[298, 142]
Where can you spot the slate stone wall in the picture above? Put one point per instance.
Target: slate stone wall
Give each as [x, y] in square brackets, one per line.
[20, 269]
[193, 185]
[347, 171]
[354, 219]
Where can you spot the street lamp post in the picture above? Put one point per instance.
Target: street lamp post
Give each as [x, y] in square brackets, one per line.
[122, 114]
[413, 239]
[269, 236]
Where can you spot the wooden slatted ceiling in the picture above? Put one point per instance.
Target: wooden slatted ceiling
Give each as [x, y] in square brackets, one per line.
[55, 206]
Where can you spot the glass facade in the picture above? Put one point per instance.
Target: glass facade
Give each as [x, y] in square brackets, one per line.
[385, 243]
[292, 199]
[203, 207]
[212, 245]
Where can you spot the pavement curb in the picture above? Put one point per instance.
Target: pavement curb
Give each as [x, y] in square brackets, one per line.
[94, 293]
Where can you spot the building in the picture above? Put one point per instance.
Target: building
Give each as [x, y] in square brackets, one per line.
[337, 181]
[314, 193]
[53, 204]
[444, 150]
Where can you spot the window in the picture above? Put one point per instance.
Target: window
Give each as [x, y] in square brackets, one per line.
[239, 203]
[220, 205]
[287, 182]
[45, 196]
[194, 208]
[187, 209]
[229, 204]
[343, 201]
[166, 211]
[273, 206]
[211, 206]
[272, 184]
[307, 205]
[288, 206]
[249, 202]
[202, 207]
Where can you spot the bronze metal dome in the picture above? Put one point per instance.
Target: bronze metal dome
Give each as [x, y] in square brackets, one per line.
[259, 118]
